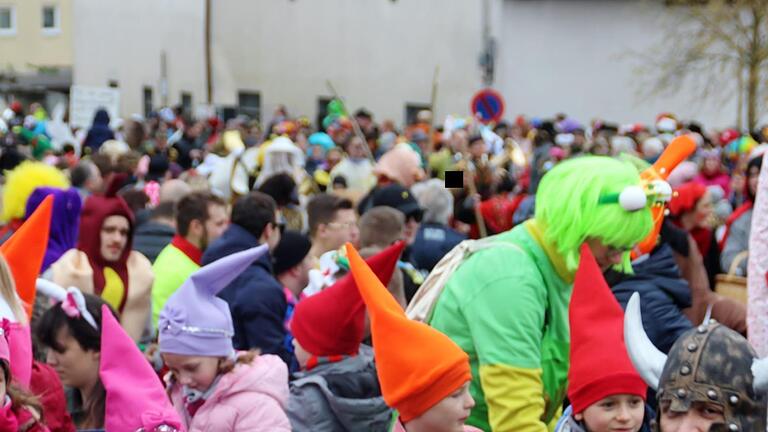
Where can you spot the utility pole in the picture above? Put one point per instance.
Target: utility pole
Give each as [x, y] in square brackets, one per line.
[488, 55]
[164, 78]
[208, 68]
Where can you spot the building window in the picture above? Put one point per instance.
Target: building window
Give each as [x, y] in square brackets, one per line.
[7, 21]
[249, 103]
[186, 103]
[51, 22]
[147, 101]
[322, 110]
[411, 110]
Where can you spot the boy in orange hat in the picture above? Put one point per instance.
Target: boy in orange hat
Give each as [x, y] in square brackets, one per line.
[423, 374]
[610, 397]
[336, 388]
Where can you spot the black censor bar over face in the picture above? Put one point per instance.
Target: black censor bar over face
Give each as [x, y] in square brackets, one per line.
[454, 179]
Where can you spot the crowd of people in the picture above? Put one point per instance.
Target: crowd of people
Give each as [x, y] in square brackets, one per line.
[177, 274]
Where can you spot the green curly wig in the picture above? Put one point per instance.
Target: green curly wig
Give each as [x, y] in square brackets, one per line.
[567, 207]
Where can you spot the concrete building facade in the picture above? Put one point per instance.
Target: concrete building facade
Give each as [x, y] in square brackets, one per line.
[572, 56]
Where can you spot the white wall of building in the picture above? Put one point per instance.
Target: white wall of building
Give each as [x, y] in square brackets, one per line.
[568, 56]
[380, 54]
[123, 41]
[574, 57]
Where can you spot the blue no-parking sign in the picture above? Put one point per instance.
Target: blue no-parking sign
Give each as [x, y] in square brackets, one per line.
[488, 106]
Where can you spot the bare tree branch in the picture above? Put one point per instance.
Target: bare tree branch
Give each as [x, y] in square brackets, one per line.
[707, 50]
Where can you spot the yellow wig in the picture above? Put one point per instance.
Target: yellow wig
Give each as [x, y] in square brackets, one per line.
[22, 181]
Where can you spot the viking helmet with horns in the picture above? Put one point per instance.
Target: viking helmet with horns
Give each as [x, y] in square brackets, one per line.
[709, 363]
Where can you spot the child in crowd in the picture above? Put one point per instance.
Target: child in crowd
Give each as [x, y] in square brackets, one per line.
[605, 391]
[337, 387]
[213, 387]
[423, 374]
[19, 410]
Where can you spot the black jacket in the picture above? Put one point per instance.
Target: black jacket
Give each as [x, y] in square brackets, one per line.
[432, 242]
[151, 238]
[663, 296]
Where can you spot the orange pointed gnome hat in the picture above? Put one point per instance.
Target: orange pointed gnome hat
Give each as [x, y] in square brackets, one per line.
[417, 365]
[597, 338]
[25, 249]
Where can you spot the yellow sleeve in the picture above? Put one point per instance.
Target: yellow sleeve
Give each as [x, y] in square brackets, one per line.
[515, 398]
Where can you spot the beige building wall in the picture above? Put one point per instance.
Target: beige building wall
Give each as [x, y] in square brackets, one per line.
[30, 47]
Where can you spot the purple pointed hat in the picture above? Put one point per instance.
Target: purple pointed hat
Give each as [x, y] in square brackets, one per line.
[66, 214]
[196, 322]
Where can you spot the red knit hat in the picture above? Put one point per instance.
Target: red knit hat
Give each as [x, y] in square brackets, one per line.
[332, 322]
[685, 197]
[600, 366]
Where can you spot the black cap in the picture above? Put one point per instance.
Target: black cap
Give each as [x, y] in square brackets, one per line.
[290, 252]
[400, 198]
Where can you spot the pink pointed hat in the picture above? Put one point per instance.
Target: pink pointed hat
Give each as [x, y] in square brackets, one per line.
[16, 350]
[136, 399]
[5, 350]
[19, 339]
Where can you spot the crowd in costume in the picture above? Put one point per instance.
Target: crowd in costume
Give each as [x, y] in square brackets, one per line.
[171, 273]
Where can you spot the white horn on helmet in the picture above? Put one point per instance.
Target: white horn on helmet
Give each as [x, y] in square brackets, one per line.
[647, 359]
[760, 374]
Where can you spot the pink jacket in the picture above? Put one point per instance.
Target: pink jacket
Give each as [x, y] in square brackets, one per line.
[250, 398]
[722, 180]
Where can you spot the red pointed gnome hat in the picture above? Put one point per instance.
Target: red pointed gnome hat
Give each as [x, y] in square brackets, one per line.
[25, 251]
[600, 366]
[136, 399]
[332, 322]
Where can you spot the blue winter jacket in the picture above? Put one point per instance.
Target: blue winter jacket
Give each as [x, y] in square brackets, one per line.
[256, 299]
[99, 131]
[663, 296]
[432, 242]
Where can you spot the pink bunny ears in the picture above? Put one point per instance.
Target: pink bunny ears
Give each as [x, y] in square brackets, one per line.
[72, 300]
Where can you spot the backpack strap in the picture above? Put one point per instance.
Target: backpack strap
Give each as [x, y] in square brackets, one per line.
[423, 302]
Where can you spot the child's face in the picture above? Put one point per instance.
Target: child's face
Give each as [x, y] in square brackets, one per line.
[616, 413]
[448, 415]
[195, 372]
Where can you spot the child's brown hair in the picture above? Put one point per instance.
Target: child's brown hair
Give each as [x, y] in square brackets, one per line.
[21, 399]
[227, 365]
